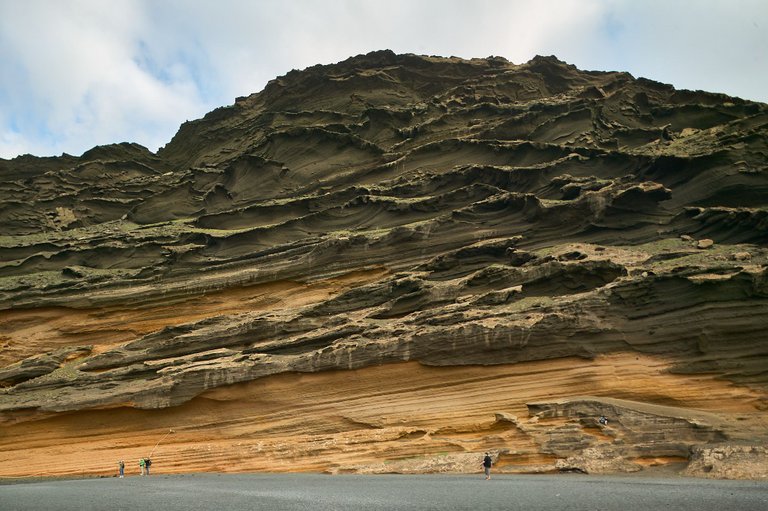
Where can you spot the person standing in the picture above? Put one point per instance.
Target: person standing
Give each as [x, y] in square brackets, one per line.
[147, 464]
[487, 462]
[143, 466]
[121, 468]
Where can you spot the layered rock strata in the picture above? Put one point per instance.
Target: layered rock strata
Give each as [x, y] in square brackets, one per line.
[394, 264]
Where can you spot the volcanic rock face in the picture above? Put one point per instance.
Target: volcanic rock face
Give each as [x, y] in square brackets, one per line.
[395, 264]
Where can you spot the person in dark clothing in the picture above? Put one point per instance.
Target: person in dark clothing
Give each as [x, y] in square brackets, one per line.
[147, 464]
[487, 462]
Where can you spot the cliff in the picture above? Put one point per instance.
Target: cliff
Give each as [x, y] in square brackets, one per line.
[394, 264]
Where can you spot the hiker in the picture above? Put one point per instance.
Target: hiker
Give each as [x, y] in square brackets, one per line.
[147, 464]
[143, 466]
[487, 466]
[121, 468]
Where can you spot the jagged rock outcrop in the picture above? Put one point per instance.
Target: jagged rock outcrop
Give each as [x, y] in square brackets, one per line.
[391, 264]
[729, 462]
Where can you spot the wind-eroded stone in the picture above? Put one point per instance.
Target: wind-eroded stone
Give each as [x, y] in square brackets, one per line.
[375, 265]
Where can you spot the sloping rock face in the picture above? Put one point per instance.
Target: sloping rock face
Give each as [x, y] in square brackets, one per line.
[395, 264]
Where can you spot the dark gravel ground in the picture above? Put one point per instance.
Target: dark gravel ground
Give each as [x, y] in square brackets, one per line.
[304, 492]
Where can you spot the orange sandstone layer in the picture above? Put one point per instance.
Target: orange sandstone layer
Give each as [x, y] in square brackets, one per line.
[391, 418]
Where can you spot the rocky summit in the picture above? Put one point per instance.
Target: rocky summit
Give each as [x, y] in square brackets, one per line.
[398, 263]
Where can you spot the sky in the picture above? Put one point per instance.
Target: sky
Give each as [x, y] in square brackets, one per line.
[79, 73]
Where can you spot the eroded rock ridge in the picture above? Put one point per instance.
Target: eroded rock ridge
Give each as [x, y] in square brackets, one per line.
[394, 264]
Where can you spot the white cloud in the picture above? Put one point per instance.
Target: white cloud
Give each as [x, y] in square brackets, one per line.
[83, 72]
[711, 45]
[76, 82]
